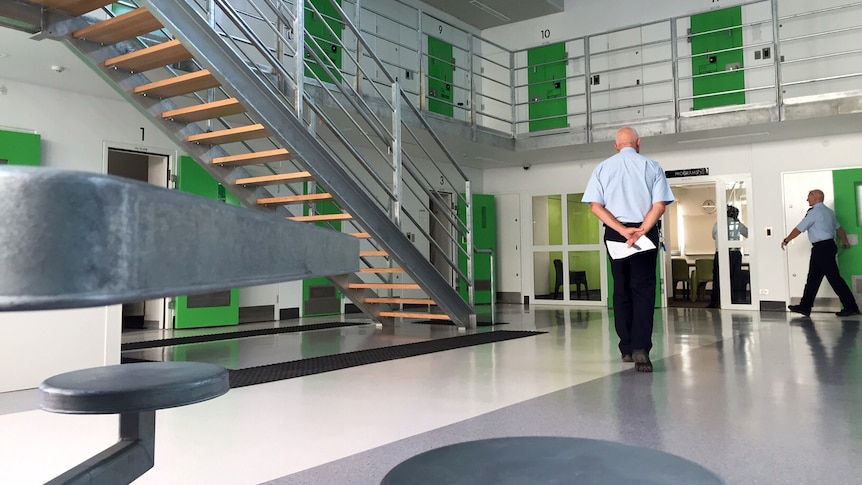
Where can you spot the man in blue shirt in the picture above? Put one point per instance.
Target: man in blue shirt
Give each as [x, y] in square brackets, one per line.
[628, 193]
[821, 224]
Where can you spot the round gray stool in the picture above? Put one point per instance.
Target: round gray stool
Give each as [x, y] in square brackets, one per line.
[135, 392]
[546, 460]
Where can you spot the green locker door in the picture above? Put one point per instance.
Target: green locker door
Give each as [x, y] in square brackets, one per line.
[727, 65]
[18, 148]
[546, 75]
[847, 187]
[484, 237]
[218, 308]
[441, 69]
[319, 295]
[330, 45]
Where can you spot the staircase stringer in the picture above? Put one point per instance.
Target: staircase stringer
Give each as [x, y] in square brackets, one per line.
[270, 109]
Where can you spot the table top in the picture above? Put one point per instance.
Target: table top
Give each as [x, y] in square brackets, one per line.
[547, 460]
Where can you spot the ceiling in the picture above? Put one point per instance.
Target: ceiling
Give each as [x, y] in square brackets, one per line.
[484, 14]
[47, 63]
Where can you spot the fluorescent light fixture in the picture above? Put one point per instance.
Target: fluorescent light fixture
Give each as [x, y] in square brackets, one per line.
[728, 137]
[481, 6]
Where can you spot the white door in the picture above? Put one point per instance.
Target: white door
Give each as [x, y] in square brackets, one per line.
[508, 262]
[795, 192]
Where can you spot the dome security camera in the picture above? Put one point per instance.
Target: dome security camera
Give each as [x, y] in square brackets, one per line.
[527, 167]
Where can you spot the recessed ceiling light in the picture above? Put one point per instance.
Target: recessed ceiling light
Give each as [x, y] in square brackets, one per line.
[3, 54]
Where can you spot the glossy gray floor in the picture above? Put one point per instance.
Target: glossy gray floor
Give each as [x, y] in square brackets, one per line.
[755, 397]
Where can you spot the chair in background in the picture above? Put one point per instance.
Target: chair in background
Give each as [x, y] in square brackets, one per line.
[575, 278]
[680, 274]
[700, 277]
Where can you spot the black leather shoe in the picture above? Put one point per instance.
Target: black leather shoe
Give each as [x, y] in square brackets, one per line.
[627, 358]
[642, 362]
[846, 313]
[800, 309]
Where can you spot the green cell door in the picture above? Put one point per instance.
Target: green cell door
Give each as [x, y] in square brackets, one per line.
[319, 295]
[546, 75]
[715, 71]
[18, 148]
[441, 69]
[847, 186]
[328, 47]
[213, 309]
[484, 237]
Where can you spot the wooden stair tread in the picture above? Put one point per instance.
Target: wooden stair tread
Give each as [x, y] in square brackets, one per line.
[373, 254]
[123, 27]
[361, 235]
[230, 135]
[381, 270]
[74, 7]
[206, 111]
[427, 316]
[180, 85]
[166, 53]
[256, 158]
[294, 199]
[384, 286]
[322, 218]
[401, 301]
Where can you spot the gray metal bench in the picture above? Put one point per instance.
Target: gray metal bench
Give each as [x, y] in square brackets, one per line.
[135, 392]
[77, 239]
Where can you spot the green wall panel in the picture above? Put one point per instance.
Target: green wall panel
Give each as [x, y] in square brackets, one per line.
[18, 148]
[707, 61]
[441, 69]
[484, 237]
[546, 75]
[329, 45]
[193, 179]
[847, 187]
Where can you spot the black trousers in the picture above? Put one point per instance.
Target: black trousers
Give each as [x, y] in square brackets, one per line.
[823, 263]
[634, 294]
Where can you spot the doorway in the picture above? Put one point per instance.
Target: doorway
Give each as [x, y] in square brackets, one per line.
[152, 168]
[709, 219]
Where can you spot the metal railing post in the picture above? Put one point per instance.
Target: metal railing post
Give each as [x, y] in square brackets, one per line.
[512, 94]
[490, 253]
[299, 56]
[472, 67]
[468, 244]
[588, 91]
[674, 68]
[397, 185]
[776, 59]
[358, 21]
[423, 62]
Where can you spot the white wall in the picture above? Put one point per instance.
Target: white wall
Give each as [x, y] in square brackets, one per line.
[38, 345]
[764, 161]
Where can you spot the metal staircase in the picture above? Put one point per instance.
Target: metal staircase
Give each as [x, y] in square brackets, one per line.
[254, 99]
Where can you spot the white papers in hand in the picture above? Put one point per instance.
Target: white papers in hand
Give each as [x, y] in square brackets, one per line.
[619, 250]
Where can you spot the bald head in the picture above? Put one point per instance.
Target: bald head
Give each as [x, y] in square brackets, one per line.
[627, 138]
[816, 196]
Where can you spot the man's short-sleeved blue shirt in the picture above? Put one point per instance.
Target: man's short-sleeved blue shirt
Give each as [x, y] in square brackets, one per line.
[820, 222]
[627, 185]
